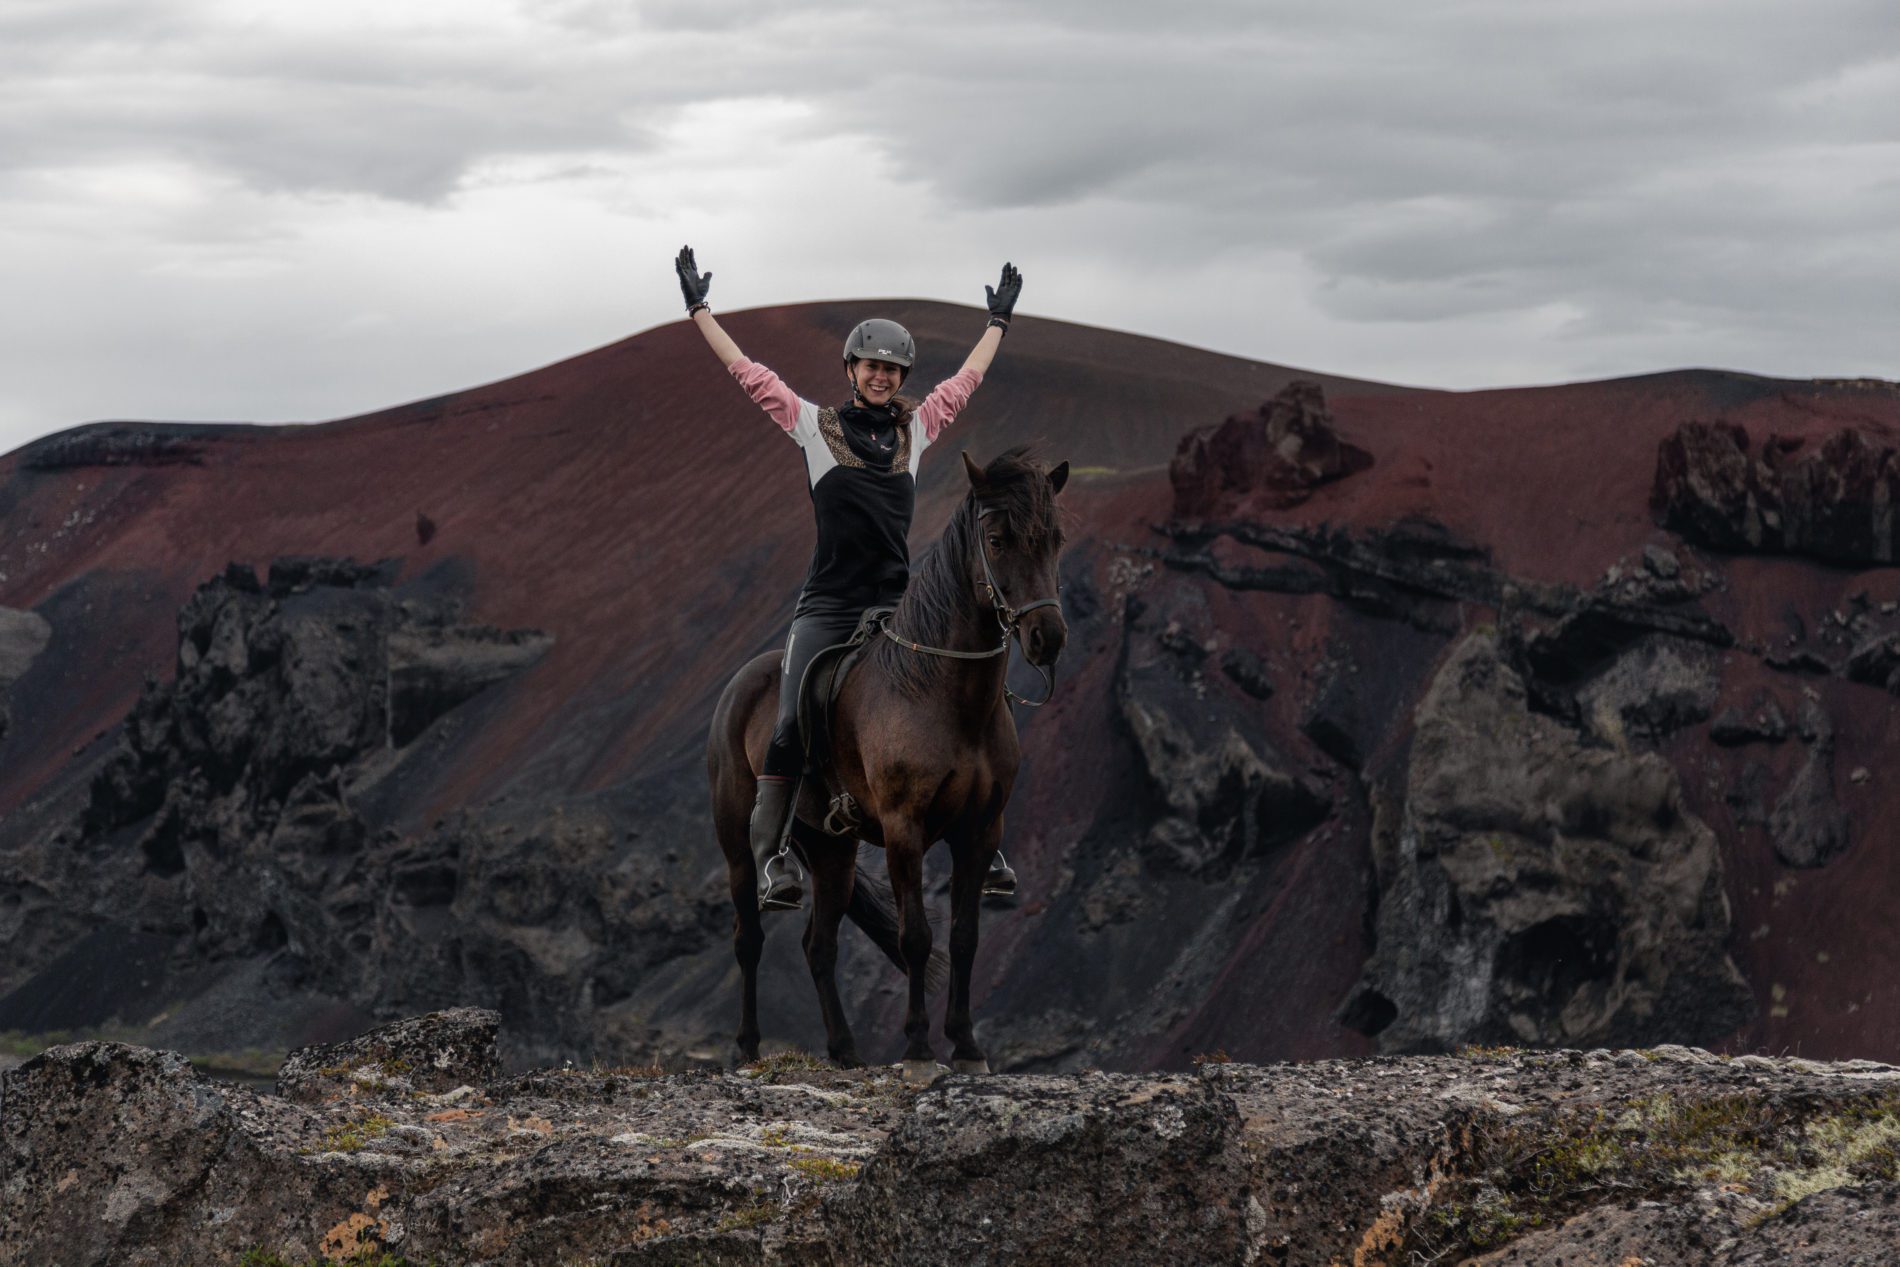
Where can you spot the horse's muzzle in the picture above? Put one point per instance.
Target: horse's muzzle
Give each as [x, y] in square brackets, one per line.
[1043, 634]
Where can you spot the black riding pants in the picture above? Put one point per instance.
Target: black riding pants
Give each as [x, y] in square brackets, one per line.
[811, 633]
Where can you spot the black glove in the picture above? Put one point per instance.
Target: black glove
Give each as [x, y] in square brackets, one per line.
[1003, 298]
[692, 284]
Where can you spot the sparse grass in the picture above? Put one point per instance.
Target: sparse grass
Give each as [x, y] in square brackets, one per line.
[347, 1137]
[826, 1169]
[776, 1067]
[748, 1217]
[1218, 1056]
[362, 1258]
[27, 1046]
[1481, 1051]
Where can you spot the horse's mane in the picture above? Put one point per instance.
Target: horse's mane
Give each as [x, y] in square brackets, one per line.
[942, 587]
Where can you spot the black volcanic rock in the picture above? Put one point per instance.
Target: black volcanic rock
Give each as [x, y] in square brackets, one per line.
[1807, 825]
[1877, 663]
[232, 775]
[1832, 500]
[1271, 459]
[1712, 490]
[1221, 793]
[1764, 721]
[1534, 890]
[228, 820]
[118, 445]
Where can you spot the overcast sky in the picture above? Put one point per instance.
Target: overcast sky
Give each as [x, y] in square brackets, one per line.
[300, 210]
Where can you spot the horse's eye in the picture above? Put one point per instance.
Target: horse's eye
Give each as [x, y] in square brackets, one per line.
[996, 542]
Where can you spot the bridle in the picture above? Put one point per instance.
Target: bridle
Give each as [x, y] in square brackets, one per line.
[1007, 618]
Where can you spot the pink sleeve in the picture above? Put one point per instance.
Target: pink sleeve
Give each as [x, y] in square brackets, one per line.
[942, 405]
[768, 391]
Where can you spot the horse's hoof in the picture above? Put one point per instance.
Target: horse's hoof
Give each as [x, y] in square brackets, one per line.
[921, 1073]
[970, 1066]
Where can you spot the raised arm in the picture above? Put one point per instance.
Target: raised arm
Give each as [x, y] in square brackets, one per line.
[767, 390]
[1002, 302]
[943, 404]
[693, 286]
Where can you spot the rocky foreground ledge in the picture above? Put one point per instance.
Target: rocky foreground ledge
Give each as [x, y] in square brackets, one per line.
[407, 1141]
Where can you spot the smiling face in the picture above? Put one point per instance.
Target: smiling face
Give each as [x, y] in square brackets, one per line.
[876, 381]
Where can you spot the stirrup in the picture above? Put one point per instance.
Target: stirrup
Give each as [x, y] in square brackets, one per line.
[842, 818]
[1000, 881]
[783, 893]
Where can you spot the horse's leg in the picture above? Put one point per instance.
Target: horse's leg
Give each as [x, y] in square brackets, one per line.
[748, 934]
[904, 853]
[970, 859]
[832, 873]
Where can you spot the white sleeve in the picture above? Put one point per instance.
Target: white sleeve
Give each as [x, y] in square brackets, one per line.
[818, 459]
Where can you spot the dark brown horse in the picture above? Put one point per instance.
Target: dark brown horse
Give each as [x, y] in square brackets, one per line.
[923, 741]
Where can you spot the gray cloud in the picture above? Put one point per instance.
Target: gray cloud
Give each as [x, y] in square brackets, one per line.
[1654, 180]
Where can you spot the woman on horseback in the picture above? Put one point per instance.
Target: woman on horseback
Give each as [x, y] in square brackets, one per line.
[861, 461]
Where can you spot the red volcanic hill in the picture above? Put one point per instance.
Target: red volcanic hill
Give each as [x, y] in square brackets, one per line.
[1251, 820]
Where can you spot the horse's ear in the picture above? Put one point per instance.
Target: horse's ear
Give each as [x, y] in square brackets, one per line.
[976, 472]
[1058, 477]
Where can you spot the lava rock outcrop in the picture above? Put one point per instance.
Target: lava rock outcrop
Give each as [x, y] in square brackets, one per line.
[230, 787]
[1832, 500]
[117, 1154]
[1268, 460]
[1534, 890]
[1219, 792]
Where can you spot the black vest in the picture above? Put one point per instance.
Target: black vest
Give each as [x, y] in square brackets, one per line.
[863, 506]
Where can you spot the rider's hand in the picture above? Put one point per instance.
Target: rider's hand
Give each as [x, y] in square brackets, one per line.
[1003, 298]
[692, 285]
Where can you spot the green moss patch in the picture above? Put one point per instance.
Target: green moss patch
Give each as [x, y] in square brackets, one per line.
[1510, 1176]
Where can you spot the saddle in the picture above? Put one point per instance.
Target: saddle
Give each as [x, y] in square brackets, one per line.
[817, 695]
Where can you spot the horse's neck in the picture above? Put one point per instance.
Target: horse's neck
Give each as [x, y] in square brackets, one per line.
[978, 684]
[973, 686]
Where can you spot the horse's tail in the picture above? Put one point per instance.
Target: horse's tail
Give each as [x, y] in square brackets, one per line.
[874, 909]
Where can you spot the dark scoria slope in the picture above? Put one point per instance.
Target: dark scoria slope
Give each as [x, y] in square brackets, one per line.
[1211, 821]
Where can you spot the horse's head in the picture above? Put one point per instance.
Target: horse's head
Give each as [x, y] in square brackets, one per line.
[1018, 541]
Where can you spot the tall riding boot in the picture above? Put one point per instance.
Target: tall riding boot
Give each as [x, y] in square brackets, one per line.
[1001, 879]
[778, 890]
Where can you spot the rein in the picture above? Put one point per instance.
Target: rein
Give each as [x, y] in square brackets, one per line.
[1006, 616]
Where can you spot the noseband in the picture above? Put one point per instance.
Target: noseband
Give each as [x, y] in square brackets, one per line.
[1006, 616]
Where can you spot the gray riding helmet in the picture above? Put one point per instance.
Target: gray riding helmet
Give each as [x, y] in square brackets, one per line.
[880, 340]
